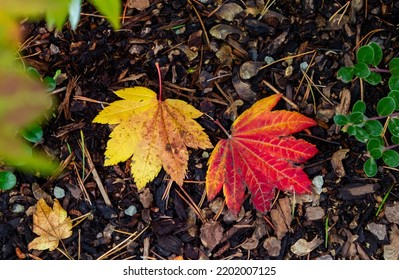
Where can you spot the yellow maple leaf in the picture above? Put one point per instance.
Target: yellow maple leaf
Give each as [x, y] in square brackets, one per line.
[153, 133]
[52, 225]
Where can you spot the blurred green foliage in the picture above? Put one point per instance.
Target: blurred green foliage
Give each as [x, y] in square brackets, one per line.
[23, 100]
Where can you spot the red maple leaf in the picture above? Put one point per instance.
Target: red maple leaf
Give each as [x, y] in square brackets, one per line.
[260, 155]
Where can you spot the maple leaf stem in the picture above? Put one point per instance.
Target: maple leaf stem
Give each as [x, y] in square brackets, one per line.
[222, 127]
[160, 81]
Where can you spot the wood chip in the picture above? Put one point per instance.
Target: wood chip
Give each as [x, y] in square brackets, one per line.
[281, 217]
[273, 246]
[138, 4]
[314, 213]
[211, 234]
[355, 191]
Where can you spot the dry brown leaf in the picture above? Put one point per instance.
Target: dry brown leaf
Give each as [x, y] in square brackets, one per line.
[336, 162]
[303, 247]
[249, 69]
[52, 225]
[392, 213]
[243, 90]
[229, 11]
[391, 251]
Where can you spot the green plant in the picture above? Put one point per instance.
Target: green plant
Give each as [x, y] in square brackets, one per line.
[7, 180]
[380, 133]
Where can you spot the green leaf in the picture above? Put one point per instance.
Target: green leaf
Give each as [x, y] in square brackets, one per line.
[7, 180]
[394, 66]
[370, 167]
[395, 95]
[341, 120]
[374, 148]
[374, 143]
[22, 102]
[351, 130]
[393, 83]
[110, 9]
[359, 106]
[376, 153]
[365, 54]
[361, 135]
[33, 133]
[355, 118]
[391, 158]
[49, 83]
[33, 73]
[393, 126]
[373, 127]
[361, 70]
[377, 53]
[395, 139]
[74, 13]
[57, 17]
[373, 79]
[345, 74]
[386, 106]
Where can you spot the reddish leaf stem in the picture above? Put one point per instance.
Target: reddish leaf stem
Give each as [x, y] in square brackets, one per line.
[222, 127]
[378, 70]
[160, 81]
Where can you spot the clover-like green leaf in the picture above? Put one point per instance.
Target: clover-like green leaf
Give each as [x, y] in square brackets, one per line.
[395, 139]
[395, 95]
[393, 126]
[377, 53]
[7, 180]
[393, 83]
[370, 167]
[386, 106]
[373, 127]
[365, 54]
[391, 158]
[351, 130]
[359, 106]
[373, 79]
[345, 74]
[362, 135]
[375, 148]
[356, 117]
[361, 70]
[341, 120]
[394, 66]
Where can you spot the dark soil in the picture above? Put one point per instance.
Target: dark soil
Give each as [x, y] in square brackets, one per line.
[97, 60]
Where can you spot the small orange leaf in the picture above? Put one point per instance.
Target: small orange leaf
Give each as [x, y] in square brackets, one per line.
[52, 225]
[260, 155]
[153, 133]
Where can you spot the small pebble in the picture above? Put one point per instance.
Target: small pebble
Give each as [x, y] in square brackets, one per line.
[131, 210]
[59, 192]
[318, 183]
[18, 208]
[314, 213]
